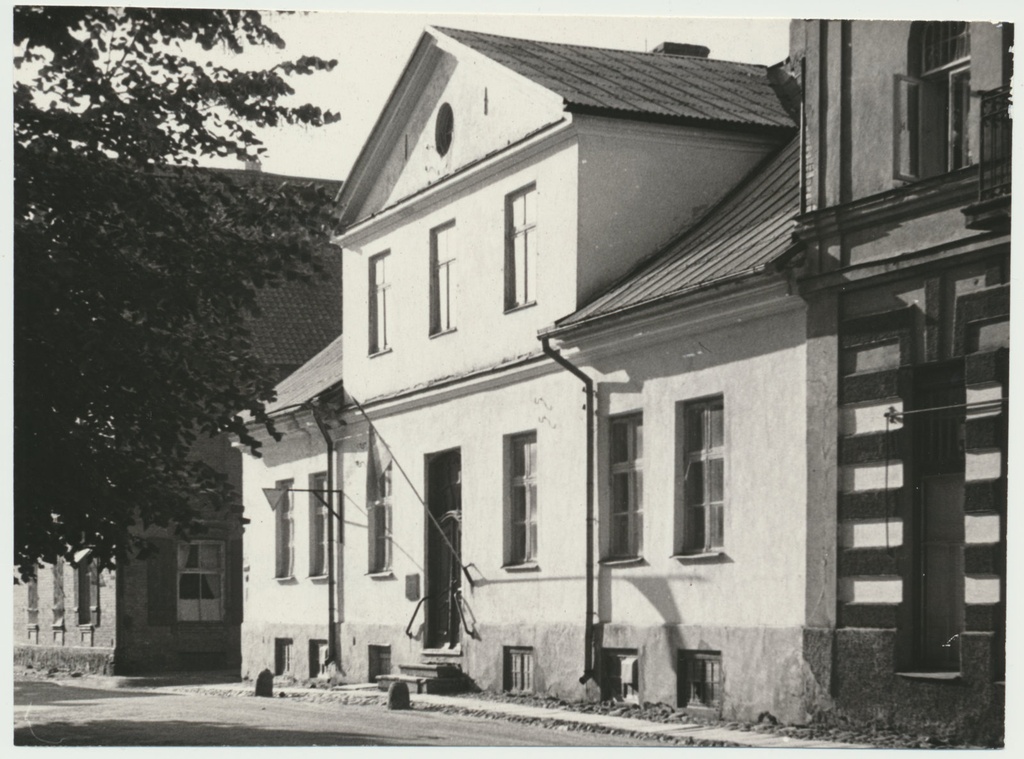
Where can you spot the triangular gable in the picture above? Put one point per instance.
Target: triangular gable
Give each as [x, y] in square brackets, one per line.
[491, 106]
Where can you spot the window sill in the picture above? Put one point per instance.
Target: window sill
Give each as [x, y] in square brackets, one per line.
[520, 307]
[948, 677]
[698, 556]
[626, 561]
[286, 579]
[374, 354]
[526, 566]
[443, 332]
[384, 574]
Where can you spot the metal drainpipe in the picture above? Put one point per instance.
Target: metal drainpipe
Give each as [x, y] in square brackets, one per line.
[332, 637]
[588, 383]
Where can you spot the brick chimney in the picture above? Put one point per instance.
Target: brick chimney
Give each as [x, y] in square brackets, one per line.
[682, 48]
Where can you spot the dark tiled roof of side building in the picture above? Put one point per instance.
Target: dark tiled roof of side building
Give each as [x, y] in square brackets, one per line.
[297, 319]
[631, 83]
[745, 233]
[320, 373]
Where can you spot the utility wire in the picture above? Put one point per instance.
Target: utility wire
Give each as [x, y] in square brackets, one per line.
[415, 491]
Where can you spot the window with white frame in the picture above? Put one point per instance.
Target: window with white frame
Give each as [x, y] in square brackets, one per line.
[522, 486]
[318, 525]
[626, 512]
[443, 283]
[379, 512]
[379, 299]
[933, 102]
[284, 531]
[521, 248]
[201, 581]
[703, 475]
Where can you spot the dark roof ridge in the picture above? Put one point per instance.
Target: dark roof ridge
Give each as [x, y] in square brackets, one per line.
[449, 29]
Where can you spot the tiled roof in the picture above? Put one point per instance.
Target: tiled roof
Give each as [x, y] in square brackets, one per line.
[297, 320]
[312, 378]
[634, 83]
[744, 233]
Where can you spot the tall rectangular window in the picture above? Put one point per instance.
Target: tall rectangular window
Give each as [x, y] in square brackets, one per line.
[703, 475]
[379, 303]
[443, 282]
[58, 593]
[521, 247]
[627, 452]
[933, 101]
[318, 525]
[522, 484]
[87, 593]
[379, 513]
[32, 601]
[284, 531]
[201, 581]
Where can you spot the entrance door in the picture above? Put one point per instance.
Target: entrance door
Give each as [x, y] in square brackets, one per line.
[942, 571]
[939, 461]
[444, 567]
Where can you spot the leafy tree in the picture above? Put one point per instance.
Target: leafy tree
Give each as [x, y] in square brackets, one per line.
[134, 270]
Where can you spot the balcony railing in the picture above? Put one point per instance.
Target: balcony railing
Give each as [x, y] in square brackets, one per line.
[996, 145]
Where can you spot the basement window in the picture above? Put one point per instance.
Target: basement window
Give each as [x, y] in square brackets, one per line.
[518, 669]
[620, 675]
[317, 658]
[282, 656]
[699, 679]
[380, 662]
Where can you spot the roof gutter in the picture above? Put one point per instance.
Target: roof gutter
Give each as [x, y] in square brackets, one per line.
[588, 388]
[557, 329]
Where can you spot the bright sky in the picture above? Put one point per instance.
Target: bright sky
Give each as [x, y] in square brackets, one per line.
[373, 48]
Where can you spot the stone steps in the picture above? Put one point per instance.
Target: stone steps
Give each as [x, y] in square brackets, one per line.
[428, 677]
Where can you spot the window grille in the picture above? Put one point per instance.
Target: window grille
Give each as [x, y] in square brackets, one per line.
[519, 669]
[943, 43]
[699, 675]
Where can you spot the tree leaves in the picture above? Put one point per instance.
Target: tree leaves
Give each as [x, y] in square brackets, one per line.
[135, 273]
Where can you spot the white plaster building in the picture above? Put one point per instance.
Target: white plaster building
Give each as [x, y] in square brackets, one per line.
[507, 187]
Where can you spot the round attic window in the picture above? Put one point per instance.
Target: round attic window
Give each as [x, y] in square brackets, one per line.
[443, 129]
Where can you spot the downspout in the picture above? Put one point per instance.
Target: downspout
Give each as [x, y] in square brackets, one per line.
[588, 384]
[332, 637]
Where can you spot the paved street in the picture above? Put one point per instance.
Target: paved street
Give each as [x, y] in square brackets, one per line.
[52, 714]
